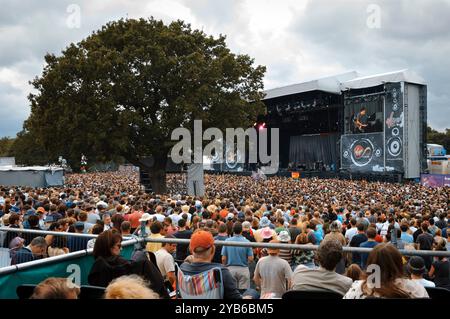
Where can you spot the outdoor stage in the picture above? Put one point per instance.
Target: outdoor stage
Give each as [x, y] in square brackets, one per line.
[348, 126]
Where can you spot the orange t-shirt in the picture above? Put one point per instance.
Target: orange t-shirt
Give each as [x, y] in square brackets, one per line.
[223, 213]
[134, 219]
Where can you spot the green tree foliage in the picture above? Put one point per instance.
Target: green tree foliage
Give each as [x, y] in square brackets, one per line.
[435, 137]
[5, 146]
[122, 90]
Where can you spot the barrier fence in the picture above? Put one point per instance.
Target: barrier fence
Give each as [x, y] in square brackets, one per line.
[405, 252]
[79, 263]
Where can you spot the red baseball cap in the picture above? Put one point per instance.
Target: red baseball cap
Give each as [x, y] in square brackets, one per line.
[201, 239]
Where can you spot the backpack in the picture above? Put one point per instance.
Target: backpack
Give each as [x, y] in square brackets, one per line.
[205, 285]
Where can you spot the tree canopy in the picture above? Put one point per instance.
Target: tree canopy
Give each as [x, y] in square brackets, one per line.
[125, 88]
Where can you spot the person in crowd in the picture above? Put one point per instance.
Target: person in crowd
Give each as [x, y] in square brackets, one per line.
[96, 230]
[370, 243]
[56, 288]
[182, 249]
[109, 265]
[155, 233]
[203, 249]
[273, 274]
[130, 287]
[303, 257]
[165, 261]
[325, 277]
[425, 241]
[237, 259]
[284, 238]
[391, 283]
[221, 236]
[354, 272]
[416, 269]
[336, 234]
[75, 243]
[125, 228]
[440, 268]
[356, 241]
[37, 249]
[15, 222]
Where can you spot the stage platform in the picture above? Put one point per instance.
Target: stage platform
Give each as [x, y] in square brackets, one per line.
[390, 178]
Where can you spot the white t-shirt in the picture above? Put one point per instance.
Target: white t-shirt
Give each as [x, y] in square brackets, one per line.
[165, 261]
[350, 233]
[175, 218]
[412, 287]
[425, 283]
[91, 243]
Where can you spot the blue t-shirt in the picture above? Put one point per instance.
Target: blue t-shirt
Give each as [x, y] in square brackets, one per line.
[366, 244]
[318, 233]
[237, 256]
[407, 238]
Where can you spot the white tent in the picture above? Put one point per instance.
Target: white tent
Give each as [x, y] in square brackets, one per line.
[34, 176]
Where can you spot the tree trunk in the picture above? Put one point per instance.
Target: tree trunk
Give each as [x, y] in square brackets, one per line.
[157, 173]
[158, 180]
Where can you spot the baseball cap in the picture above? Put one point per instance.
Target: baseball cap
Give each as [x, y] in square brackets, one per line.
[230, 216]
[201, 239]
[241, 215]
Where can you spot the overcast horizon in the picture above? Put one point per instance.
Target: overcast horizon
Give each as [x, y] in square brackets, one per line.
[296, 40]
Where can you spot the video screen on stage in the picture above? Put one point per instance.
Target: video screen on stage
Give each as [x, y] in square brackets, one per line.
[364, 114]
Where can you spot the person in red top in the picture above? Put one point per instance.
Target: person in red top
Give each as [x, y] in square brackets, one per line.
[133, 218]
[223, 212]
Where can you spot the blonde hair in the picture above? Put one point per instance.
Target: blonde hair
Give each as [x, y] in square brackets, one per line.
[129, 287]
[55, 288]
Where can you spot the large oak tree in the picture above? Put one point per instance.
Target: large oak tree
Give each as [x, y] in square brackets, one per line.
[122, 90]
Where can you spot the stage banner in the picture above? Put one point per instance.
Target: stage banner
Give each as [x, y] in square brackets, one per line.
[195, 180]
[435, 180]
[362, 152]
[393, 127]
[295, 175]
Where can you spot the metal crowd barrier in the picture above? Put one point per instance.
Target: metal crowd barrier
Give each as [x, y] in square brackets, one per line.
[125, 243]
[10, 269]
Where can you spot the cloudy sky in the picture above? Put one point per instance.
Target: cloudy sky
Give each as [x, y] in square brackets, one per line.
[297, 40]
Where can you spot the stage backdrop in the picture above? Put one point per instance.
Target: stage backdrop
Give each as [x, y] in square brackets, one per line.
[312, 148]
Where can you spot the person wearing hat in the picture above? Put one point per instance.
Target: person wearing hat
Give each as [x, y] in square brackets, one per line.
[202, 248]
[264, 233]
[416, 268]
[285, 238]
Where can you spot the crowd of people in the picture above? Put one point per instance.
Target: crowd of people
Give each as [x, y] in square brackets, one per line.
[327, 214]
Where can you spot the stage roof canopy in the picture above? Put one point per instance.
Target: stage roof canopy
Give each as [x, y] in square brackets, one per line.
[378, 79]
[328, 84]
[341, 82]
